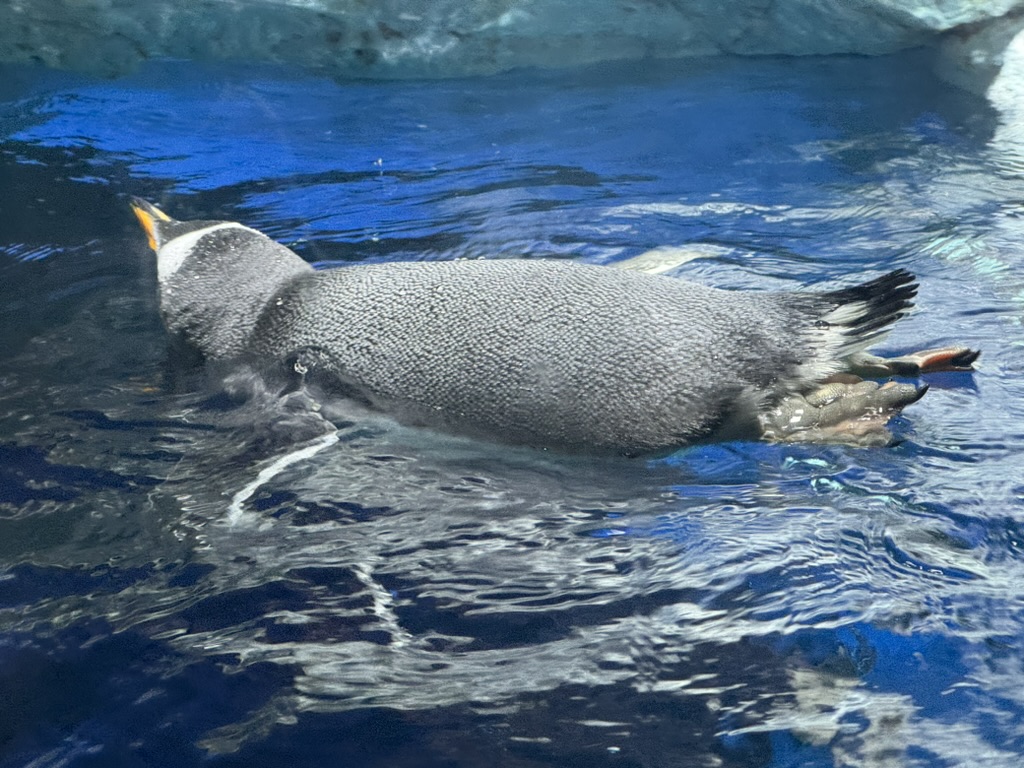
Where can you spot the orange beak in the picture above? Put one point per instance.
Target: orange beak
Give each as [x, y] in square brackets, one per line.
[148, 214]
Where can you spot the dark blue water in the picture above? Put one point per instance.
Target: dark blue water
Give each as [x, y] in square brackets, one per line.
[182, 583]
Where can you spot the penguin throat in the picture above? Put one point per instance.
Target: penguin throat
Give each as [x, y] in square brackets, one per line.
[174, 253]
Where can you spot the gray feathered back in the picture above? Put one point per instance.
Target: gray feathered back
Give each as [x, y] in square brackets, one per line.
[543, 352]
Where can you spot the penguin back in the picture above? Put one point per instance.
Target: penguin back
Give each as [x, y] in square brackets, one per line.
[543, 352]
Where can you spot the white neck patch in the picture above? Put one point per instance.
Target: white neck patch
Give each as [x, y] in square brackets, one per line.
[173, 253]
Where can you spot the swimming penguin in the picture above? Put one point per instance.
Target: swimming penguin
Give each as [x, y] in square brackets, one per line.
[547, 353]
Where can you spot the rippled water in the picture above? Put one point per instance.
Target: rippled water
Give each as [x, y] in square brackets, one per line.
[182, 583]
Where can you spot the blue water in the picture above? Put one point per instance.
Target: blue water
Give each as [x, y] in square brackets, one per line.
[180, 584]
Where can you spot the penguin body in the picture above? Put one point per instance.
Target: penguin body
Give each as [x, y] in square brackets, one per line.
[548, 353]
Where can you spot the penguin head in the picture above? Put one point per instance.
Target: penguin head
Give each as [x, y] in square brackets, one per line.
[173, 241]
[215, 277]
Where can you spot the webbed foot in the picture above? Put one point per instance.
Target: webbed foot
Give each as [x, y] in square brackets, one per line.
[840, 412]
[913, 364]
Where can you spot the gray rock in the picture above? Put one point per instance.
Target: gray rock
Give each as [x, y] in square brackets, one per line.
[440, 38]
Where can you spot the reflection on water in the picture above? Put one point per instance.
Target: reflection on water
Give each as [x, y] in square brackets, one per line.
[185, 575]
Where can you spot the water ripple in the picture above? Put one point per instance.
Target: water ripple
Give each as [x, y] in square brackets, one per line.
[209, 573]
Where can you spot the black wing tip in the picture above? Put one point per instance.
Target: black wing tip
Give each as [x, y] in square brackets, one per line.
[885, 300]
[899, 282]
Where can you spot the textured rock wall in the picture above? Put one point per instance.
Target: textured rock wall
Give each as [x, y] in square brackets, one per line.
[434, 38]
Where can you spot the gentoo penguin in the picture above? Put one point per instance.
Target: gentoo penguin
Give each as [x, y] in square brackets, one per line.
[547, 353]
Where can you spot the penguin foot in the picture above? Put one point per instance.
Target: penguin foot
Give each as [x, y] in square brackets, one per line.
[840, 412]
[915, 363]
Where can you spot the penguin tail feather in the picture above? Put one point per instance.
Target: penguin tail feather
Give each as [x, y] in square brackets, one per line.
[847, 321]
[864, 312]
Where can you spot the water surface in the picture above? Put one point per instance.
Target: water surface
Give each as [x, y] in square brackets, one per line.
[398, 598]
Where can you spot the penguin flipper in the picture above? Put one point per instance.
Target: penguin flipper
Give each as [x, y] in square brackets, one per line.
[840, 412]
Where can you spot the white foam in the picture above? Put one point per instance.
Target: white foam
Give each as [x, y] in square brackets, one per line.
[235, 511]
[173, 253]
